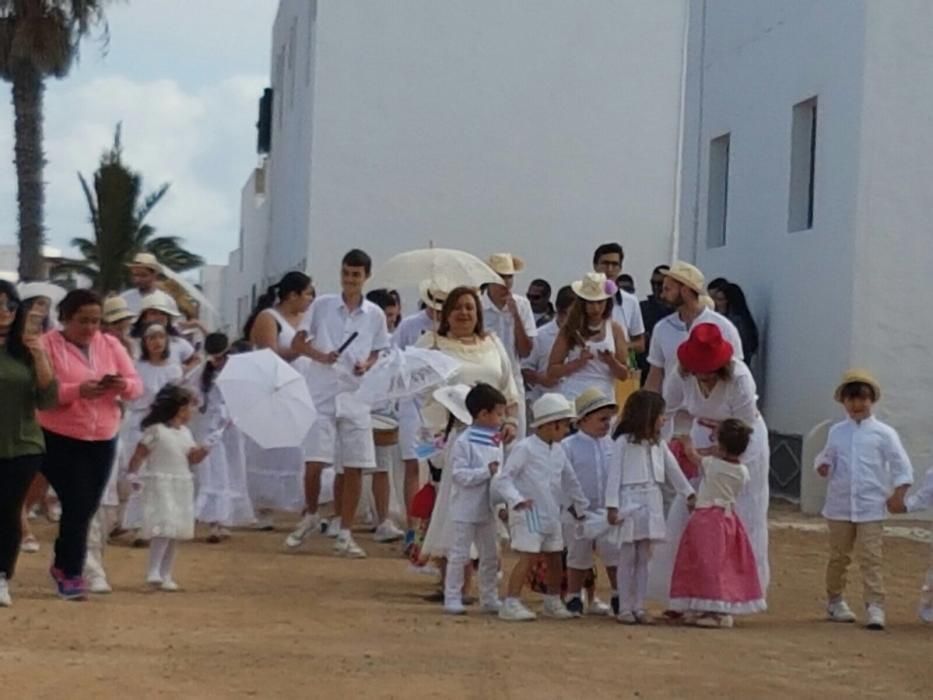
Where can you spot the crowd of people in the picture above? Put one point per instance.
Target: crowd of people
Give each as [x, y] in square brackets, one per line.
[579, 426]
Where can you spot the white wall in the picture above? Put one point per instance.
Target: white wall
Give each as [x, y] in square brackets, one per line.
[544, 128]
[759, 59]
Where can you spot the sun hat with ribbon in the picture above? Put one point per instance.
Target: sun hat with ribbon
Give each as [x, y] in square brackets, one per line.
[705, 351]
[147, 260]
[159, 301]
[506, 264]
[116, 310]
[594, 286]
[591, 401]
[858, 376]
[688, 275]
[453, 398]
[432, 296]
[551, 407]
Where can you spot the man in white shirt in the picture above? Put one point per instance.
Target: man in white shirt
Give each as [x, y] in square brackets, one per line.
[684, 284]
[345, 335]
[534, 367]
[145, 271]
[626, 310]
[510, 317]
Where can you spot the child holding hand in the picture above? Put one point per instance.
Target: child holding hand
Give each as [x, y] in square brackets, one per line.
[914, 503]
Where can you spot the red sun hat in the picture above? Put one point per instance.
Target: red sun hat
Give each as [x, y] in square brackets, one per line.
[705, 351]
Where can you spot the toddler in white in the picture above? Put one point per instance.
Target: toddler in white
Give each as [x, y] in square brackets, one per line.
[914, 503]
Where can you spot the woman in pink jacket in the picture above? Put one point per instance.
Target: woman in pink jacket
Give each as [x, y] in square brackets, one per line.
[94, 372]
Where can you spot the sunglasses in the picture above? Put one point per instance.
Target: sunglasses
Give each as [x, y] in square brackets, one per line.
[11, 305]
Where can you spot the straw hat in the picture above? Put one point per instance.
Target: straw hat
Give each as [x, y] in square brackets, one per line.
[115, 310]
[594, 287]
[688, 275]
[705, 351]
[147, 260]
[591, 401]
[159, 301]
[506, 264]
[858, 376]
[453, 398]
[432, 296]
[551, 407]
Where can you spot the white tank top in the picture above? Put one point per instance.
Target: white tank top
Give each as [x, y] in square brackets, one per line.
[594, 373]
[286, 330]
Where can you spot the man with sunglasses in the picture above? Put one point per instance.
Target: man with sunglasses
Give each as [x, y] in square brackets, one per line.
[653, 309]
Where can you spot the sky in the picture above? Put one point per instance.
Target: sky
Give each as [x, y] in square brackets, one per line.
[184, 78]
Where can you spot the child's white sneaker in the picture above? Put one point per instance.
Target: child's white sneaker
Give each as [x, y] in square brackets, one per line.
[309, 524]
[874, 616]
[169, 586]
[454, 607]
[5, 599]
[839, 611]
[512, 610]
[555, 609]
[333, 528]
[627, 617]
[388, 532]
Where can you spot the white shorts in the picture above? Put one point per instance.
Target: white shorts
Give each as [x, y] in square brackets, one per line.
[580, 552]
[351, 440]
[528, 542]
[386, 457]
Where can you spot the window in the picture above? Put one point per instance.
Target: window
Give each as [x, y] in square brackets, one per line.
[802, 167]
[717, 208]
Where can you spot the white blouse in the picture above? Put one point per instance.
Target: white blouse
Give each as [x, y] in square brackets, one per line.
[639, 464]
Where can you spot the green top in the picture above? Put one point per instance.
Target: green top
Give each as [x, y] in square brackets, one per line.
[20, 433]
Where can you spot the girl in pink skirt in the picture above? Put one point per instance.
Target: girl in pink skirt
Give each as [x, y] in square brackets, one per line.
[715, 572]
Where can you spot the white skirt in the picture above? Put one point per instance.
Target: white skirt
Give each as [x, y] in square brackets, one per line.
[440, 535]
[275, 477]
[167, 502]
[647, 522]
[222, 496]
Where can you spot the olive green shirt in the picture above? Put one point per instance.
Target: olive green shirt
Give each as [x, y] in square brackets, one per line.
[20, 433]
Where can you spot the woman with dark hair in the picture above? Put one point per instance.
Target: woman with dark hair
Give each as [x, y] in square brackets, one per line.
[275, 476]
[94, 374]
[26, 384]
[736, 310]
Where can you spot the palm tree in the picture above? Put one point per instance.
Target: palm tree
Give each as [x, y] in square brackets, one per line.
[120, 228]
[38, 39]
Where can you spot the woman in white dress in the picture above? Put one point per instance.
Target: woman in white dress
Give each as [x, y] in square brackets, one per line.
[274, 476]
[590, 350]
[483, 358]
[711, 386]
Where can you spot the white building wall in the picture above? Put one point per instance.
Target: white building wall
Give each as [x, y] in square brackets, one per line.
[543, 128]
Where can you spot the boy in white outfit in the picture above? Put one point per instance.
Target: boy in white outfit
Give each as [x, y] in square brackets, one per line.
[536, 481]
[864, 462]
[475, 458]
[914, 503]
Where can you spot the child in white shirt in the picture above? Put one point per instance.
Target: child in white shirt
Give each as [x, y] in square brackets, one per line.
[475, 458]
[536, 481]
[864, 461]
[915, 502]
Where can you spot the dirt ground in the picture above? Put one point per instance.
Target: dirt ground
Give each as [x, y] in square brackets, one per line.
[256, 622]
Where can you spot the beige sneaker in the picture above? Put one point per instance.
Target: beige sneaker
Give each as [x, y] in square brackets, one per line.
[839, 611]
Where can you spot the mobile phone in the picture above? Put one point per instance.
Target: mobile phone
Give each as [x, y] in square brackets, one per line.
[109, 378]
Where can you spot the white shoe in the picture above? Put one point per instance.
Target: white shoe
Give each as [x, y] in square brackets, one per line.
[454, 607]
[555, 609]
[29, 545]
[98, 585]
[512, 610]
[169, 586]
[627, 617]
[264, 522]
[598, 607]
[333, 528]
[154, 582]
[309, 524]
[424, 570]
[839, 611]
[349, 549]
[388, 532]
[492, 607]
[874, 616]
[5, 599]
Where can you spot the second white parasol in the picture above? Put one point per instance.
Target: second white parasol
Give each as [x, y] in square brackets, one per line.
[444, 267]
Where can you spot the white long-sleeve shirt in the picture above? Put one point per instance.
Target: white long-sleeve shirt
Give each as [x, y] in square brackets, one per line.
[922, 498]
[541, 473]
[470, 458]
[590, 458]
[866, 463]
[642, 463]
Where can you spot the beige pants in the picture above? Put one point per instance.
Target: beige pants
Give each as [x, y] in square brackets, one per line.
[867, 538]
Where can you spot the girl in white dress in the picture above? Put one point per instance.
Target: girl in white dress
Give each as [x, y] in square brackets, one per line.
[222, 498]
[165, 454]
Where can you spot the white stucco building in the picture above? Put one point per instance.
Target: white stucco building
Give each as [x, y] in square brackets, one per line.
[807, 165]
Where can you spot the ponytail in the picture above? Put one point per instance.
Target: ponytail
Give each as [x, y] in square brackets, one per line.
[293, 282]
[265, 301]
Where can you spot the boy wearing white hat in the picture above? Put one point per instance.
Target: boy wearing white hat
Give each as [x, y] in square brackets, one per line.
[536, 481]
[144, 273]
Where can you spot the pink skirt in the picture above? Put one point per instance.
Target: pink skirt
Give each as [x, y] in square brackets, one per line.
[715, 569]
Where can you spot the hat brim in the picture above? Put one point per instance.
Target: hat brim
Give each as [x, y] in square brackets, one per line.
[690, 284]
[162, 310]
[577, 288]
[433, 303]
[596, 406]
[517, 266]
[552, 417]
[875, 387]
[118, 316]
[705, 363]
[449, 398]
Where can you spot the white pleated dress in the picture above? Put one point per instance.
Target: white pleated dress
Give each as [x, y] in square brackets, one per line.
[167, 496]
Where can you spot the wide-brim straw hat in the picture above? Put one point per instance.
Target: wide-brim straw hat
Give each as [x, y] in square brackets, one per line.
[592, 400]
[159, 301]
[147, 260]
[432, 296]
[594, 286]
[688, 275]
[506, 264]
[705, 351]
[453, 398]
[858, 376]
[550, 408]
[116, 310]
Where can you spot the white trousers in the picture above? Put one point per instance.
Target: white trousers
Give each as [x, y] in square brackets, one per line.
[633, 575]
[465, 534]
[103, 522]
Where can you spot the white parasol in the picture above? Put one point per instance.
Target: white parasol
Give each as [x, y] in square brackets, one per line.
[402, 373]
[443, 267]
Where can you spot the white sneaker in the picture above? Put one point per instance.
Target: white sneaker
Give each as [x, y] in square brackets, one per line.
[333, 527]
[874, 616]
[264, 522]
[5, 599]
[627, 617]
[154, 581]
[512, 610]
[492, 607]
[598, 607]
[349, 549]
[454, 607]
[388, 532]
[839, 611]
[169, 586]
[309, 524]
[98, 585]
[555, 609]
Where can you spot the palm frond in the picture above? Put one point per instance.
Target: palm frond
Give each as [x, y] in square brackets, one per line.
[151, 200]
[91, 204]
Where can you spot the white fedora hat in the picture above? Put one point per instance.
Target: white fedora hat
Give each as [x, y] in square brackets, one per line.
[506, 264]
[159, 301]
[551, 407]
[432, 295]
[594, 287]
[147, 260]
[592, 400]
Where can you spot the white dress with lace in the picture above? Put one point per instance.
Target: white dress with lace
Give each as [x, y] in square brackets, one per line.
[168, 486]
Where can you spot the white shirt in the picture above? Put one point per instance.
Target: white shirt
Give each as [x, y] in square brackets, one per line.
[922, 498]
[866, 463]
[642, 463]
[134, 300]
[180, 350]
[628, 315]
[542, 473]
[722, 483]
[330, 323]
[537, 361]
[671, 331]
[411, 328]
[590, 458]
[469, 494]
[502, 323]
